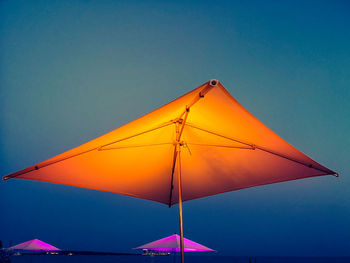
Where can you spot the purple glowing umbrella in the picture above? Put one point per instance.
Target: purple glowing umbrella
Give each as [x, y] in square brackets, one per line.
[34, 245]
[172, 244]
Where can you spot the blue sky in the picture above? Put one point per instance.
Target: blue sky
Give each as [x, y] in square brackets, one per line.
[73, 70]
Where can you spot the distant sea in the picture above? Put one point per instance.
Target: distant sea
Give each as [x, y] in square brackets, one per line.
[172, 259]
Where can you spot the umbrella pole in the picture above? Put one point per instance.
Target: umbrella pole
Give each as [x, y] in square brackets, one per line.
[180, 204]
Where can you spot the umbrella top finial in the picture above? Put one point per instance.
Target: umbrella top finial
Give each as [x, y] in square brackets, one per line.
[213, 82]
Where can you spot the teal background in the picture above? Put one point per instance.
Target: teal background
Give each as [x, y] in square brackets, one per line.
[73, 70]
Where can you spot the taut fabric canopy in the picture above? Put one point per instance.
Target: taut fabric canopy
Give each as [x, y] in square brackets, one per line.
[172, 244]
[223, 148]
[34, 245]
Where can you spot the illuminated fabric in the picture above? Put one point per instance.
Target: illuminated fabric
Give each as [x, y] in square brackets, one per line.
[34, 245]
[172, 244]
[223, 148]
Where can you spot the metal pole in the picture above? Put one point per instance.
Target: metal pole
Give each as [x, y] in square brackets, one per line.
[180, 204]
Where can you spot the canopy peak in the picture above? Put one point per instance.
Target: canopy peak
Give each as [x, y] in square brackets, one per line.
[213, 82]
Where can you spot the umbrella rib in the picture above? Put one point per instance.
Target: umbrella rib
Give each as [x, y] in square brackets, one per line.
[222, 136]
[201, 95]
[138, 134]
[253, 147]
[222, 146]
[309, 165]
[37, 166]
[134, 146]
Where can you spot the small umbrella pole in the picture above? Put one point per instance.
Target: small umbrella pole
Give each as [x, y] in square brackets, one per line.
[180, 204]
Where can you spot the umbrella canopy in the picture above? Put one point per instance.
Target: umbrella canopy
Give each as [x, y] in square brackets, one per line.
[34, 245]
[223, 148]
[172, 244]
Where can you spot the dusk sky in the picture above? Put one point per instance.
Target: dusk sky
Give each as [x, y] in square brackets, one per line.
[73, 70]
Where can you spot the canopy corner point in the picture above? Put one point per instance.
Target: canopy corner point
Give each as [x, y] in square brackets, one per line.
[4, 178]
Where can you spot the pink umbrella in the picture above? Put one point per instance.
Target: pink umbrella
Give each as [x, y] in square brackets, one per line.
[172, 244]
[34, 245]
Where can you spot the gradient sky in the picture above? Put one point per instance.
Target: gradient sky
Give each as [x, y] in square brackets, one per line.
[73, 70]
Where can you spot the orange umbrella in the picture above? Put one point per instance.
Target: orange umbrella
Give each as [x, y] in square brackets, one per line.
[206, 135]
